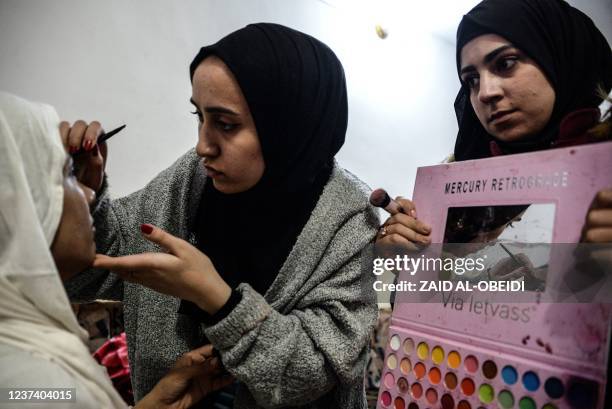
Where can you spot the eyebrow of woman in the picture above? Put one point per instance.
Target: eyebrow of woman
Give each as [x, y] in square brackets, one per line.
[488, 58]
[215, 109]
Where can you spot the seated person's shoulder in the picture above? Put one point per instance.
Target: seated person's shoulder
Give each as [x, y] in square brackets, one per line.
[24, 369]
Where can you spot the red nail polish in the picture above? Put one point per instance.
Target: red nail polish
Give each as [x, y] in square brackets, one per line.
[146, 228]
[87, 145]
[72, 149]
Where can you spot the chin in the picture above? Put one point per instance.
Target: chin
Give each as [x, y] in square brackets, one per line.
[85, 259]
[514, 134]
[228, 189]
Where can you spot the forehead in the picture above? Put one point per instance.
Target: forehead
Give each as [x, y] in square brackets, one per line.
[474, 51]
[214, 83]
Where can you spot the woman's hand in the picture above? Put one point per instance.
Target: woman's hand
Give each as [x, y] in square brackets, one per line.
[89, 164]
[598, 225]
[404, 229]
[184, 271]
[194, 375]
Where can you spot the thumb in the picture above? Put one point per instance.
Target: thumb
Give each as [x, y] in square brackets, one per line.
[164, 239]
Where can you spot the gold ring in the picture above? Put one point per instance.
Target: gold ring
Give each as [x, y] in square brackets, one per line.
[383, 231]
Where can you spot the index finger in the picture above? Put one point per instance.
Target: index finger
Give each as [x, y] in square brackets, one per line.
[407, 205]
[157, 235]
[64, 129]
[132, 263]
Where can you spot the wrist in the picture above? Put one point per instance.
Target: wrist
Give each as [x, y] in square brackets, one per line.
[212, 301]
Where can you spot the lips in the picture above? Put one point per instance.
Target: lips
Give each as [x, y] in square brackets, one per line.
[212, 172]
[498, 115]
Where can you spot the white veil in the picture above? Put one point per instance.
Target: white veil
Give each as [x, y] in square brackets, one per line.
[35, 314]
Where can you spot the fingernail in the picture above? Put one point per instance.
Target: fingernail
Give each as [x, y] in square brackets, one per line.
[73, 149]
[146, 228]
[88, 145]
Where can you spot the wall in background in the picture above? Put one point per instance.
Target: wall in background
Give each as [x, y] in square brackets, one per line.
[127, 62]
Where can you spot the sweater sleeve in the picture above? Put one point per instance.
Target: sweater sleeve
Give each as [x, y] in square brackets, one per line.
[163, 201]
[294, 358]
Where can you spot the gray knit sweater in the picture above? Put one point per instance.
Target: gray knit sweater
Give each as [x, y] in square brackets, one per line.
[303, 343]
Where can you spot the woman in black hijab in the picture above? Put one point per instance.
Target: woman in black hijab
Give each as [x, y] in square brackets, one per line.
[532, 72]
[300, 111]
[263, 231]
[565, 46]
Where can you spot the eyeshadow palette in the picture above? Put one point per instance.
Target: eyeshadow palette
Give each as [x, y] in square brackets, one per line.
[465, 352]
[422, 371]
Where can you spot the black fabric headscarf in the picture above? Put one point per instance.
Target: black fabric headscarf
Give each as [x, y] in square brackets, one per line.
[563, 41]
[295, 89]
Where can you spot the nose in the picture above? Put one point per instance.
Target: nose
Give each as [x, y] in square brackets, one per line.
[207, 146]
[90, 195]
[489, 88]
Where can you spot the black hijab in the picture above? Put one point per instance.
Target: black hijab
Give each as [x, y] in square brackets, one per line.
[563, 41]
[295, 89]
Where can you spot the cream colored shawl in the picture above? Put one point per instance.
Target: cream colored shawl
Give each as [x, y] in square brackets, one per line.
[35, 314]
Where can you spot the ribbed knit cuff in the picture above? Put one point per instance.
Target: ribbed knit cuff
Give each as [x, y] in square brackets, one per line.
[191, 309]
[246, 316]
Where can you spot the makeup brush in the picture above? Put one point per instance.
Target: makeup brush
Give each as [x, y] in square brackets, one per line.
[380, 198]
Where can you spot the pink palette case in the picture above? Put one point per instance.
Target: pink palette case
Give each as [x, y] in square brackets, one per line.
[447, 354]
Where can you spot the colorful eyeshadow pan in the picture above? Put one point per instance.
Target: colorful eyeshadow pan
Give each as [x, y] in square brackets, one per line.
[395, 342]
[531, 381]
[527, 403]
[454, 359]
[435, 376]
[489, 369]
[431, 395]
[463, 404]
[405, 366]
[450, 380]
[419, 370]
[486, 394]
[468, 387]
[402, 385]
[509, 375]
[471, 363]
[399, 403]
[392, 361]
[413, 406]
[408, 346]
[505, 399]
[437, 355]
[389, 380]
[416, 390]
[423, 351]
[447, 401]
[385, 398]
[554, 388]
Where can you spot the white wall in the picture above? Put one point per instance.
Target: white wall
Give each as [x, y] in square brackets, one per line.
[127, 62]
